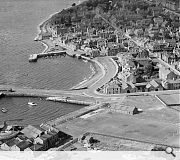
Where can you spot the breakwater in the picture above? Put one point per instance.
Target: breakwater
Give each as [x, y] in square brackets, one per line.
[69, 100]
[71, 97]
[63, 52]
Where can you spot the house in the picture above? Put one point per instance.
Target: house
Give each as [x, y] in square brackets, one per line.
[140, 87]
[95, 53]
[127, 87]
[35, 147]
[43, 140]
[168, 57]
[104, 51]
[101, 43]
[21, 146]
[171, 4]
[21, 137]
[32, 132]
[158, 20]
[45, 35]
[171, 84]
[54, 138]
[142, 54]
[73, 46]
[156, 10]
[153, 86]
[7, 146]
[63, 137]
[139, 32]
[117, 87]
[166, 74]
[112, 88]
[57, 30]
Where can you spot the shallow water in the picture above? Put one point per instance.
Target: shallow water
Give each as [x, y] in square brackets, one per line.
[19, 112]
[18, 27]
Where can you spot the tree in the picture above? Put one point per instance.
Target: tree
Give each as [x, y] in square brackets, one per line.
[74, 4]
[148, 69]
[139, 72]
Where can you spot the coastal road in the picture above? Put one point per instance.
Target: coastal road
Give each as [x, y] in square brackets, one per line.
[109, 69]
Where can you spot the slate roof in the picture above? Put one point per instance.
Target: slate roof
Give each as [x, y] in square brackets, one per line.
[31, 131]
[12, 142]
[24, 144]
[36, 147]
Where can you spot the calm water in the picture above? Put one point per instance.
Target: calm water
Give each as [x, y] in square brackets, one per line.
[18, 27]
[19, 112]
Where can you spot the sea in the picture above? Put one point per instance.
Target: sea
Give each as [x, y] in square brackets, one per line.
[18, 28]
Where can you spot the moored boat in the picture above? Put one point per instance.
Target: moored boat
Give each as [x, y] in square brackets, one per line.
[4, 110]
[32, 104]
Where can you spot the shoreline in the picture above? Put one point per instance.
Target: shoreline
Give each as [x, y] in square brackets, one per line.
[42, 26]
[45, 45]
[94, 72]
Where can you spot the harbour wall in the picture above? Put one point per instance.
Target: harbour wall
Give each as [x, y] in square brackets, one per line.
[35, 57]
[71, 99]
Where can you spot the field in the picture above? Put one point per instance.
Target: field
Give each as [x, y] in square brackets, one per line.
[156, 124]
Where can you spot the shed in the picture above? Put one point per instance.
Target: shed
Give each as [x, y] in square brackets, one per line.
[124, 109]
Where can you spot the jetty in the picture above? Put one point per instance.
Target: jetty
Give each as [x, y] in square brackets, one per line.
[34, 57]
[69, 100]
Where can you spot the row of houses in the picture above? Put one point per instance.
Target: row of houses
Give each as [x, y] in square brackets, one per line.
[35, 139]
[123, 87]
[171, 4]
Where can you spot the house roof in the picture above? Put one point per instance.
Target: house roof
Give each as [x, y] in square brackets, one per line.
[177, 81]
[46, 136]
[112, 85]
[165, 71]
[52, 132]
[141, 84]
[24, 144]
[152, 83]
[35, 147]
[124, 85]
[12, 142]
[31, 131]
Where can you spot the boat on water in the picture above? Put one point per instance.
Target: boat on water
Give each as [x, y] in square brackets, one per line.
[8, 134]
[32, 104]
[4, 110]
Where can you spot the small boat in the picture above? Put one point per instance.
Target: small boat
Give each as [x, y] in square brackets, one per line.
[4, 110]
[32, 104]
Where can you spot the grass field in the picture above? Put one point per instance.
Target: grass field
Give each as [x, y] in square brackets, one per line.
[156, 124]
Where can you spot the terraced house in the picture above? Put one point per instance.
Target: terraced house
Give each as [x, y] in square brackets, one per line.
[170, 4]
